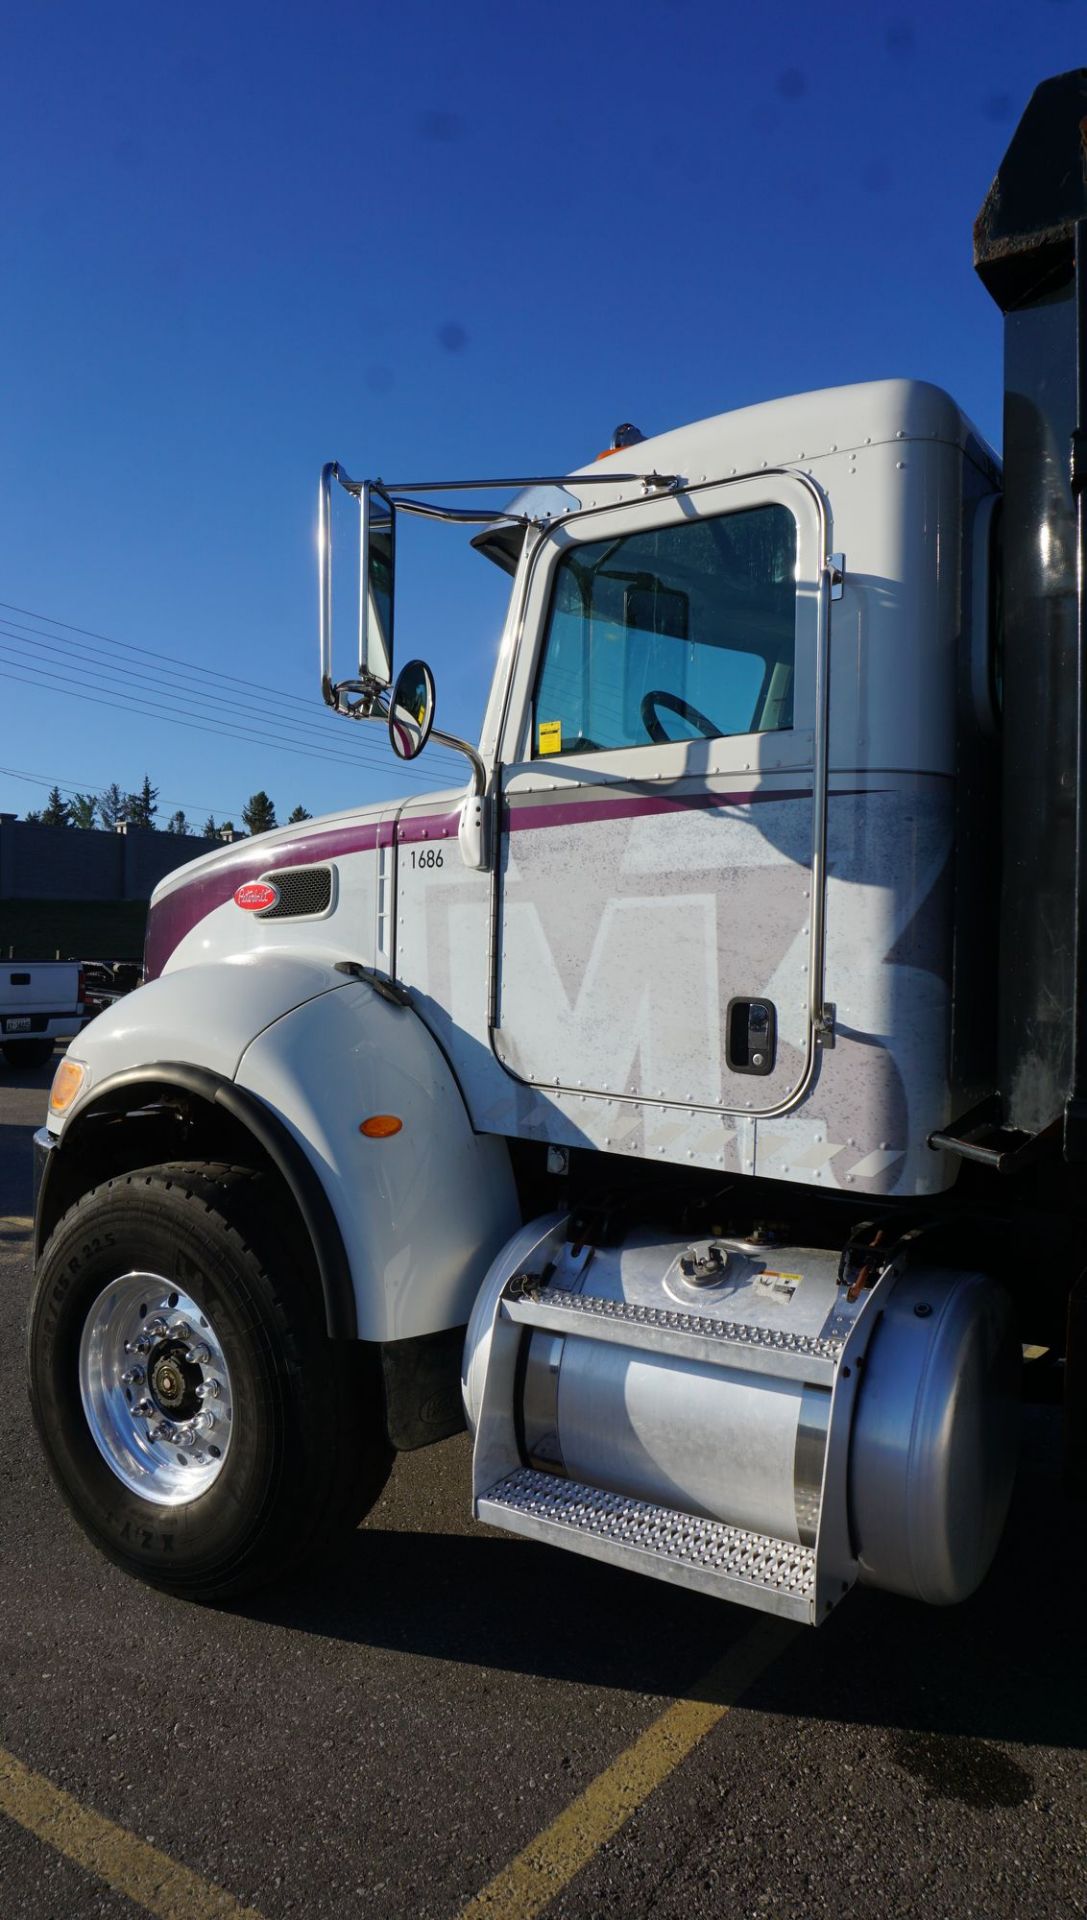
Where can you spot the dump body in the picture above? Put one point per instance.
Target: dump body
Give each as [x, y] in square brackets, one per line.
[1030, 249]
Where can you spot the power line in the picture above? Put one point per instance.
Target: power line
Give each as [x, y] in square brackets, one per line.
[15, 630]
[96, 787]
[127, 674]
[130, 646]
[150, 711]
[183, 704]
[197, 721]
[188, 667]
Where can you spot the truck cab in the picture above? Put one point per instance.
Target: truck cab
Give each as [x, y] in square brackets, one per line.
[721, 792]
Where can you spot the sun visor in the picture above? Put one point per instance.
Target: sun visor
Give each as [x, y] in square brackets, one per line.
[503, 540]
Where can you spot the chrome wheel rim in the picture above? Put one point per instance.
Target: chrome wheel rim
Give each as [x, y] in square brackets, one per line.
[156, 1389]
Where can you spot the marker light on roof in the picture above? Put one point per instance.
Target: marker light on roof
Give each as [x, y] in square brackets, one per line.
[624, 436]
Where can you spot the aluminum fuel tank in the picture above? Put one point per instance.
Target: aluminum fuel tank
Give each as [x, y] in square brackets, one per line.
[743, 1438]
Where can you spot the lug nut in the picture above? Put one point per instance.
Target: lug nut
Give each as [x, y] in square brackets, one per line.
[143, 1409]
[181, 1329]
[157, 1327]
[140, 1345]
[133, 1377]
[204, 1422]
[208, 1390]
[198, 1355]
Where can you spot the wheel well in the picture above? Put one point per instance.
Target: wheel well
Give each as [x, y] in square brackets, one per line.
[151, 1120]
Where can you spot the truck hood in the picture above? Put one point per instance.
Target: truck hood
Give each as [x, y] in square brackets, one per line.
[186, 896]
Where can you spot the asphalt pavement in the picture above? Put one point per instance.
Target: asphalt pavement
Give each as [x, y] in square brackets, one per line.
[387, 1741]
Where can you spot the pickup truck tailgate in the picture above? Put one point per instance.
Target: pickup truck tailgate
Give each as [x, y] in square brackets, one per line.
[36, 993]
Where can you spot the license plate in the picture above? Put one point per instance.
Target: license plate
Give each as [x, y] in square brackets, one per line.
[18, 1024]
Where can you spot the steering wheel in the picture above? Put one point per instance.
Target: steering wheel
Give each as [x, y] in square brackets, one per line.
[658, 698]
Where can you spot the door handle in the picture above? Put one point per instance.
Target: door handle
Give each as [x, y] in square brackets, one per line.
[751, 1036]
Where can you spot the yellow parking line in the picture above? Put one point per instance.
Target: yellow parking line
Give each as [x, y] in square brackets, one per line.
[539, 1873]
[144, 1875]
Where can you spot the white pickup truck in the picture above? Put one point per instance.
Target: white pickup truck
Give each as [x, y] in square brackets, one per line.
[41, 1002]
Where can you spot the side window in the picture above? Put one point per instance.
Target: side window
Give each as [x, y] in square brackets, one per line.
[675, 633]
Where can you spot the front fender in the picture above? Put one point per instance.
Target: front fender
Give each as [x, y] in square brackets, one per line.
[423, 1211]
[206, 1016]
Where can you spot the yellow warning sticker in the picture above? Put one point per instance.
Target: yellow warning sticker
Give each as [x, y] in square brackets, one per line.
[779, 1286]
[550, 736]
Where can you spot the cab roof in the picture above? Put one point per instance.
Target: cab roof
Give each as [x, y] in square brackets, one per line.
[794, 431]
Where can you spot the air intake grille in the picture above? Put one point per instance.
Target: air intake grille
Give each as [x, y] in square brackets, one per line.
[302, 890]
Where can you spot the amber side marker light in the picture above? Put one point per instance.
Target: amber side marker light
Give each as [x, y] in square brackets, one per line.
[67, 1083]
[380, 1126]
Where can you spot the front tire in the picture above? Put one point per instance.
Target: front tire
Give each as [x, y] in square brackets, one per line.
[205, 1431]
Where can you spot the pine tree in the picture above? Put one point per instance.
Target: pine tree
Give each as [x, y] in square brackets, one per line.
[177, 823]
[209, 829]
[56, 812]
[83, 807]
[33, 819]
[298, 814]
[140, 809]
[227, 827]
[258, 813]
[112, 807]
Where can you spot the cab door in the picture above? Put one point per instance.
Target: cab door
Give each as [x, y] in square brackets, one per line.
[660, 832]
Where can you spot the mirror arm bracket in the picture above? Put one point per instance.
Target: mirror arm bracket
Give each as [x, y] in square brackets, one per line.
[367, 706]
[473, 833]
[479, 771]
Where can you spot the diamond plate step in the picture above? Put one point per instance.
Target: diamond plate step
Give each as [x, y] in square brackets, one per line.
[751, 1568]
[686, 1336]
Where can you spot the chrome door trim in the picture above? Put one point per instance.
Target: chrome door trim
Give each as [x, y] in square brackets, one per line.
[820, 1025]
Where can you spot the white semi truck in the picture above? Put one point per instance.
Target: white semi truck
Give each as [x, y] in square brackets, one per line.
[696, 1104]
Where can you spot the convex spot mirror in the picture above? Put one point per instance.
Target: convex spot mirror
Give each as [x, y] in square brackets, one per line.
[411, 709]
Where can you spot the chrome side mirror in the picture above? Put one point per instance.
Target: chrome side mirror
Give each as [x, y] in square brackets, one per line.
[376, 575]
[377, 548]
[411, 709]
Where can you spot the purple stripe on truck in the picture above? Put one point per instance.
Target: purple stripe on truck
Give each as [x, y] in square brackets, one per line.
[181, 910]
[521, 813]
[428, 826]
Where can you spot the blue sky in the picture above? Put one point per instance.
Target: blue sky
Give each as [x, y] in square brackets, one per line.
[427, 240]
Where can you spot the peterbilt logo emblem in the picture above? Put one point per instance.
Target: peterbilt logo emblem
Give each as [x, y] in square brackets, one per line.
[256, 895]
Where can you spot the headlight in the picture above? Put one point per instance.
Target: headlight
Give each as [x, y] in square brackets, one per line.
[68, 1082]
